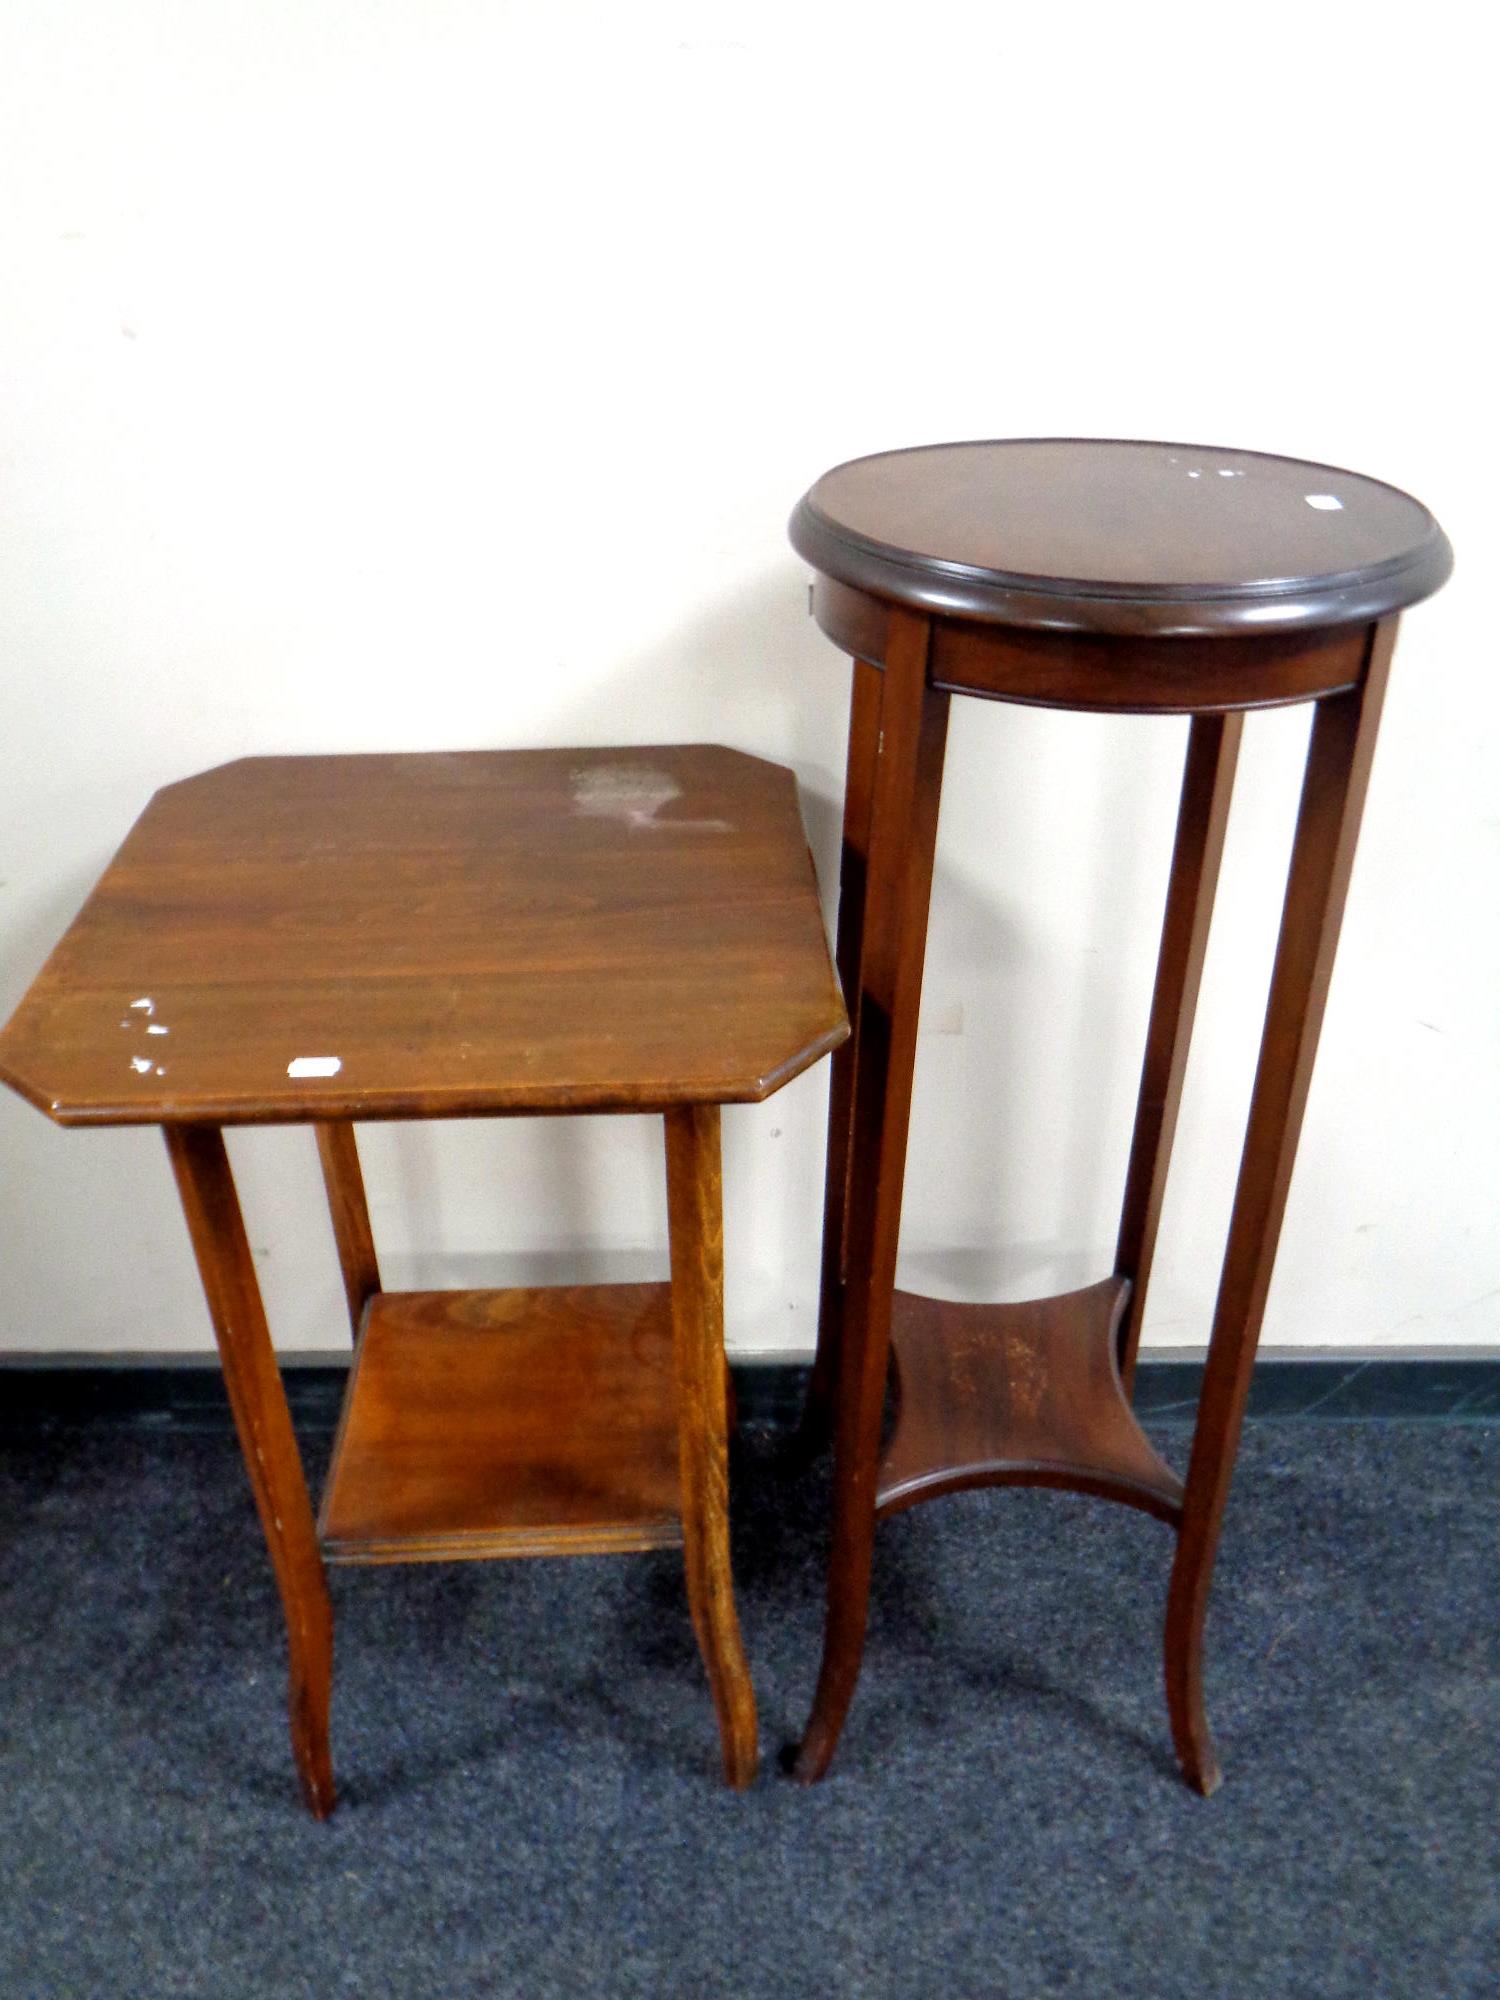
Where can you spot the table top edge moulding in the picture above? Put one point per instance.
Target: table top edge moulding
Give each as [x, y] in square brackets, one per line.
[468, 934]
[1325, 546]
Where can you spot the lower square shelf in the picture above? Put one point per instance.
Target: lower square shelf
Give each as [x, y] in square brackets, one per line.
[481, 1424]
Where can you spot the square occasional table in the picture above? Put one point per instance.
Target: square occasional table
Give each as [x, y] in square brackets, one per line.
[325, 940]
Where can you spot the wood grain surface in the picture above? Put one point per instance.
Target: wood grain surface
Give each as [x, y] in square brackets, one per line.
[1340, 753]
[424, 936]
[1018, 1395]
[482, 1424]
[1095, 575]
[205, 1183]
[695, 1223]
[1120, 536]
[1197, 850]
[349, 1213]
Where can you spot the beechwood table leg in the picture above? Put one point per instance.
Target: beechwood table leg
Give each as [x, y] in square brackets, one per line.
[264, 1424]
[695, 1225]
[1339, 755]
[903, 837]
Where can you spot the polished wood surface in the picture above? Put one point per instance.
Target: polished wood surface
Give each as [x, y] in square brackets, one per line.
[578, 1420]
[1145, 676]
[423, 936]
[267, 1441]
[859, 803]
[1339, 756]
[329, 938]
[1018, 1395]
[1121, 536]
[522, 1423]
[1202, 821]
[695, 1226]
[1137, 675]
[1160, 602]
[887, 994]
[350, 1215]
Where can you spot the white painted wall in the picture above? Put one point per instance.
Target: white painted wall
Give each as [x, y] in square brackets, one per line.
[383, 375]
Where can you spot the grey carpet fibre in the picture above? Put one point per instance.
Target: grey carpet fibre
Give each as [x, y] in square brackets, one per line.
[528, 1768]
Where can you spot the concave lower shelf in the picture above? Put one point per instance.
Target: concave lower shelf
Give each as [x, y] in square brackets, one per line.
[521, 1423]
[1018, 1395]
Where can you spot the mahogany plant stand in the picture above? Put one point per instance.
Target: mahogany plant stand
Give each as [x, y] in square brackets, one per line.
[1125, 577]
[329, 939]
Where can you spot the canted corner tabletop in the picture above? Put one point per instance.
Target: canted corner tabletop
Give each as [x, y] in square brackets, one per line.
[325, 940]
[1110, 575]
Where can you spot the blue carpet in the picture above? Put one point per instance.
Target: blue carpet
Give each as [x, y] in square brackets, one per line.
[527, 1756]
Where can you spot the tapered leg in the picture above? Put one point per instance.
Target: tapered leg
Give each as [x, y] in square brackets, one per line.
[1207, 782]
[696, 1228]
[1333, 793]
[859, 796]
[264, 1424]
[351, 1217]
[903, 835]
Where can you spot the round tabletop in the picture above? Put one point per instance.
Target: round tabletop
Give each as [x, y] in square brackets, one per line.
[1109, 535]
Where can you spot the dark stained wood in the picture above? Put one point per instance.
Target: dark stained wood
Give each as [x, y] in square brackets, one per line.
[1202, 819]
[1121, 536]
[696, 1227]
[903, 837]
[264, 1423]
[856, 622]
[350, 1215]
[1121, 577]
[1339, 756]
[1154, 674]
[518, 931]
[1018, 1395]
[522, 1423]
[859, 798]
[1150, 676]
